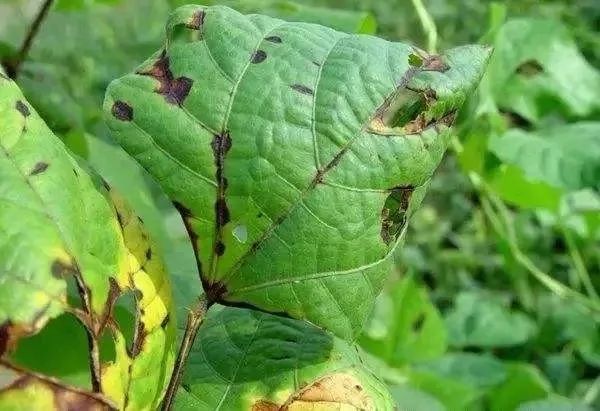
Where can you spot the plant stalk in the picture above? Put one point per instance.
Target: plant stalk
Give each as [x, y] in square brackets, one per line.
[194, 320]
[13, 65]
[428, 25]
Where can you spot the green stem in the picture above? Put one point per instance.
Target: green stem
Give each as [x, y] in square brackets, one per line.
[580, 268]
[428, 25]
[499, 215]
[194, 320]
[13, 65]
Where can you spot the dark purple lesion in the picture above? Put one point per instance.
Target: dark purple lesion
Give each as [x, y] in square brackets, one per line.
[122, 111]
[174, 90]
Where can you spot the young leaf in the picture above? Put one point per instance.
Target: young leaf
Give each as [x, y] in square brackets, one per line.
[296, 136]
[246, 360]
[70, 246]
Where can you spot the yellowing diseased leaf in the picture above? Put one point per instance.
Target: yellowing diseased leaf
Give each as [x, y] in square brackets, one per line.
[24, 390]
[335, 391]
[300, 134]
[61, 236]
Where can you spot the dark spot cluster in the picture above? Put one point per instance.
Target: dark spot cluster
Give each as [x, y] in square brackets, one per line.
[221, 145]
[302, 89]
[61, 269]
[274, 39]
[174, 90]
[22, 108]
[122, 111]
[259, 56]
[39, 168]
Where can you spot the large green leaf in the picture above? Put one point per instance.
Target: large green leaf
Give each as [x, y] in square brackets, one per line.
[294, 152]
[246, 360]
[69, 246]
[523, 383]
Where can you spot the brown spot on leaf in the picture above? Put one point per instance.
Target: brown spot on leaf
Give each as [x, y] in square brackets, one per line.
[174, 90]
[434, 63]
[263, 405]
[221, 145]
[165, 321]
[61, 269]
[197, 20]
[214, 291]
[302, 89]
[259, 56]
[139, 339]
[122, 111]
[393, 214]
[336, 390]
[22, 108]
[530, 68]
[148, 253]
[274, 39]
[39, 167]
[65, 398]
[4, 337]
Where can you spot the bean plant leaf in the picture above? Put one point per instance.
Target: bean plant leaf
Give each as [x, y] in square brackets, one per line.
[21, 389]
[294, 152]
[566, 156]
[247, 360]
[70, 246]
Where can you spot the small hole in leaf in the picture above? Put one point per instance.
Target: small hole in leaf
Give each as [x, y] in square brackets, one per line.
[240, 233]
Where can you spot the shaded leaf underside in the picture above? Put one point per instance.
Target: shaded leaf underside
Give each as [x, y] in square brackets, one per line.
[275, 141]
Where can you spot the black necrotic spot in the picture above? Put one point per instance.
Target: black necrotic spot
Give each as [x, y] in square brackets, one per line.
[220, 248]
[302, 89]
[40, 167]
[259, 56]
[122, 111]
[22, 108]
[274, 39]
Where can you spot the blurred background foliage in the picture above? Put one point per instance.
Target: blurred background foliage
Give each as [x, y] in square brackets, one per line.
[494, 303]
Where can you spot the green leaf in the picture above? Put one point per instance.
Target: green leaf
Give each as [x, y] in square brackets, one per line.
[455, 395]
[554, 404]
[537, 70]
[405, 327]
[70, 246]
[523, 383]
[410, 399]
[477, 320]
[246, 360]
[287, 132]
[565, 156]
[475, 370]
